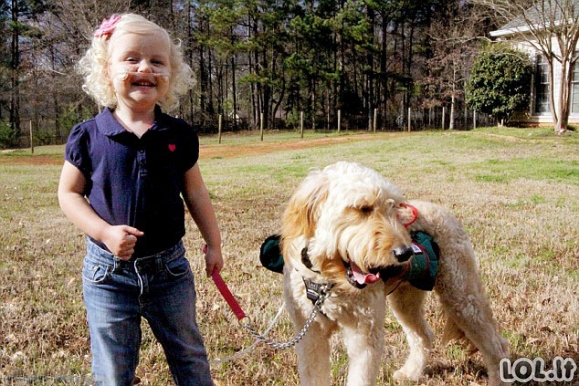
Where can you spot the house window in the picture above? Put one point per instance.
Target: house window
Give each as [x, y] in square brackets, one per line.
[542, 86]
[575, 89]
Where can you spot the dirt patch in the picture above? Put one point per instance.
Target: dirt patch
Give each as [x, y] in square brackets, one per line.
[211, 151]
[31, 160]
[260, 148]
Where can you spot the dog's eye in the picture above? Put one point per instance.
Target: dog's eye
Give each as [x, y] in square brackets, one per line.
[366, 209]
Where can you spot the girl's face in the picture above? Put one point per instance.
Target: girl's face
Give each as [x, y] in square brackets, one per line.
[139, 69]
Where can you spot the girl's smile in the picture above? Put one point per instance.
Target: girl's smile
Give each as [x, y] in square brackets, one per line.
[143, 82]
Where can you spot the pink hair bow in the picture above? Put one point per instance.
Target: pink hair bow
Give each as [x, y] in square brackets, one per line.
[107, 26]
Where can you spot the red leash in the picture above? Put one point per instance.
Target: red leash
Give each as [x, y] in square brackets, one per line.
[225, 292]
[228, 296]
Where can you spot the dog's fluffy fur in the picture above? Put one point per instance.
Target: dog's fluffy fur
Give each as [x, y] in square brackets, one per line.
[348, 215]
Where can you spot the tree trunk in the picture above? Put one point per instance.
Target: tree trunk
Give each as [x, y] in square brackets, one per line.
[452, 104]
[203, 79]
[233, 85]
[554, 113]
[564, 97]
[384, 68]
[15, 70]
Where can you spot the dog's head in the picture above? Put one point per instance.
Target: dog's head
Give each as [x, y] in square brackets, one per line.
[345, 218]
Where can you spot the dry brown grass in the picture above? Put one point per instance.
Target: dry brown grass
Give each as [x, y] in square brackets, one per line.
[517, 193]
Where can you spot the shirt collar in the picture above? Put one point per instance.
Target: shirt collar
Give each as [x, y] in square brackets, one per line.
[109, 126]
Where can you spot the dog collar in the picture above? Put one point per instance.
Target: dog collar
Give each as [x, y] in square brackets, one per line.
[314, 291]
[306, 259]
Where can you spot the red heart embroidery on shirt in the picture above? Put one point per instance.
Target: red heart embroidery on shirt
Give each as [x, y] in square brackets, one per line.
[172, 147]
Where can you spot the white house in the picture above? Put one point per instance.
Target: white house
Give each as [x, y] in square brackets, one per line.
[519, 32]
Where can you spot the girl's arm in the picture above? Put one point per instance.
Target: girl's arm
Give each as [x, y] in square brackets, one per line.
[120, 240]
[199, 204]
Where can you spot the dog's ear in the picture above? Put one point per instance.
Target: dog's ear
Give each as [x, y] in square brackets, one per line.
[300, 216]
[406, 213]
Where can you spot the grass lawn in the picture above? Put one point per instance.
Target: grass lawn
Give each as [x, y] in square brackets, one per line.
[516, 191]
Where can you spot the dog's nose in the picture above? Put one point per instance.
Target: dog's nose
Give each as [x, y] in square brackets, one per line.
[403, 253]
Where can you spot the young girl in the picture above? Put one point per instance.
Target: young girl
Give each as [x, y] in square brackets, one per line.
[125, 177]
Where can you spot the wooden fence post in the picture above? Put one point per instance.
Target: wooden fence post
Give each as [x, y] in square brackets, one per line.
[375, 120]
[261, 126]
[31, 140]
[474, 119]
[339, 120]
[301, 124]
[219, 128]
[443, 114]
[409, 120]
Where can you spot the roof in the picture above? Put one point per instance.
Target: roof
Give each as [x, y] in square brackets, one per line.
[539, 14]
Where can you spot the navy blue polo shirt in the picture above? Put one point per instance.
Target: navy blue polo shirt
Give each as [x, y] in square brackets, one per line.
[136, 181]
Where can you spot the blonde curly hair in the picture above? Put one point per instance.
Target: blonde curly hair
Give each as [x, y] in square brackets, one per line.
[93, 65]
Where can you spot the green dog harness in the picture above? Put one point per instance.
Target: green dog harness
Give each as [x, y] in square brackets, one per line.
[420, 271]
[422, 268]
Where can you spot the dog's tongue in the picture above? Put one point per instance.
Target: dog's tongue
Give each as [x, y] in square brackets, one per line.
[363, 277]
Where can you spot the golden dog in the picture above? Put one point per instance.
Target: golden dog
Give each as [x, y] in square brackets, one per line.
[345, 232]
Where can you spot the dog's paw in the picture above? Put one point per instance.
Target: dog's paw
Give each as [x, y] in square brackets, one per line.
[404, 374]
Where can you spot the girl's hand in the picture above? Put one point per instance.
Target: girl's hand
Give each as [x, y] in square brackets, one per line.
[213, 259]
[121, 240]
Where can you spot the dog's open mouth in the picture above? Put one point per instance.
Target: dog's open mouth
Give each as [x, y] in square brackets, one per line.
[359, 278]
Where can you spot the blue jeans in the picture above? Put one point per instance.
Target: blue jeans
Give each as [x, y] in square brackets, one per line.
[159, 288]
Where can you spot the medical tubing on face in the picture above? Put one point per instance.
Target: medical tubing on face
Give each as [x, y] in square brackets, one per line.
[123, 75]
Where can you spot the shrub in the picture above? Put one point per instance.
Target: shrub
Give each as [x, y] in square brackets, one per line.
[500, 82]
[8, 138]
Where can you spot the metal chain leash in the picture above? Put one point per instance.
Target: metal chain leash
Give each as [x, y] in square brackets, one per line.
[324, 293]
